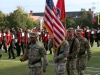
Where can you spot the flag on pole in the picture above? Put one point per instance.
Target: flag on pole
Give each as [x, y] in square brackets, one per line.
[53, 24]
[98, 12]
[60, 7]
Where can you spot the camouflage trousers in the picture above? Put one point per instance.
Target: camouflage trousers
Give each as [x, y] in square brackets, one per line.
[81, 64]
[60, 68]
[71, 66]
[35, 71]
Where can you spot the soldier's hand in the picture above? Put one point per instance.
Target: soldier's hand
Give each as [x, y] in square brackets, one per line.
[44, 70]
[88, 59]
[21, 60]
[68, 56]
[55, 59]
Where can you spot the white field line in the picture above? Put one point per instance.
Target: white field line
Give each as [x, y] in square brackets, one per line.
[92, 71]
[53, 64]
[96, 56]
[10, 60]
[49, 63]
[92, 68]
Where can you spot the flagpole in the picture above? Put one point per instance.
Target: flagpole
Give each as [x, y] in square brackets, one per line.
[98, 14]
[65, 23]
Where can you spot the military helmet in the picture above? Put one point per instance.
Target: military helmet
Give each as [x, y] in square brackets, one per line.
[70, 29]
[78, 30]
[33, 34]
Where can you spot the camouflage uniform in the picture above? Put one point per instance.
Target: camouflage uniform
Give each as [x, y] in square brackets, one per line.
[71, 62]
[35, 52]
[60, 54]
[74, 48]
[81, 61]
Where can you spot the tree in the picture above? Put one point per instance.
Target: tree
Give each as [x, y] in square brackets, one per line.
[31, 23]
[70, 21]
[86, 19]
[20, 19]
[3, 21]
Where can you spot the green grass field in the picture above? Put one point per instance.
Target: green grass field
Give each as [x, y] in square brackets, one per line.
[15, 67]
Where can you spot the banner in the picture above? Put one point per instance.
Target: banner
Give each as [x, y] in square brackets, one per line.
[60, 7]
[53, 24]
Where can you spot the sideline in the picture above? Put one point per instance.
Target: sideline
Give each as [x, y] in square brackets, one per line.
[49, 63]
[93, 71]
[96, 56]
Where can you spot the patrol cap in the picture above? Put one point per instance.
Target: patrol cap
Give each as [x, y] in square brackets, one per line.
[78, 30]
[70, 29]
[33, 34]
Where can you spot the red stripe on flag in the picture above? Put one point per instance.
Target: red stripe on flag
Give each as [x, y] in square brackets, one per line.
[48, 27]
[53, 24]
[48, 20]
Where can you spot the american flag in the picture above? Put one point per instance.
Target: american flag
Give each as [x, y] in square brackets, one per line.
[53, 24]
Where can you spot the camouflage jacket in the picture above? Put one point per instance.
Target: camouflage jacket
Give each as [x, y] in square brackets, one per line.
[76, 47]
[36, 52]
[84, 46]
[64, 50]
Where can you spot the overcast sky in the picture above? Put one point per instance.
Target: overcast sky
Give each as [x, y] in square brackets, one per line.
[7, 6]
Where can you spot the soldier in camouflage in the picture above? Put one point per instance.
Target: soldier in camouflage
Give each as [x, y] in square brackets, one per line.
[35, 52]
[74, 48]
[60, 58]
[83, 53]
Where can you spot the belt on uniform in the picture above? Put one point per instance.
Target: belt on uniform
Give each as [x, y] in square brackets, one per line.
[82, 53]
[34, 62]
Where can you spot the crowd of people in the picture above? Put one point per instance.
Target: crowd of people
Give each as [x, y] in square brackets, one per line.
[71, 55]
[11, 40]
[92, 35]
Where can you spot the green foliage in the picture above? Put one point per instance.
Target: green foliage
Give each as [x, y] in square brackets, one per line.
[3, 21]
[70, 21]
[86, 19]
[31, 23]
[17, 19]
[20, 19]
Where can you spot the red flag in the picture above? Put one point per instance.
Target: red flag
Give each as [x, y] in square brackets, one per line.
[60, 7]
[53, 24]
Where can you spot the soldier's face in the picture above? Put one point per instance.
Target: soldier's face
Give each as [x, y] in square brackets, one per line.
[78, 34]
[33, 39]
[71, 33]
